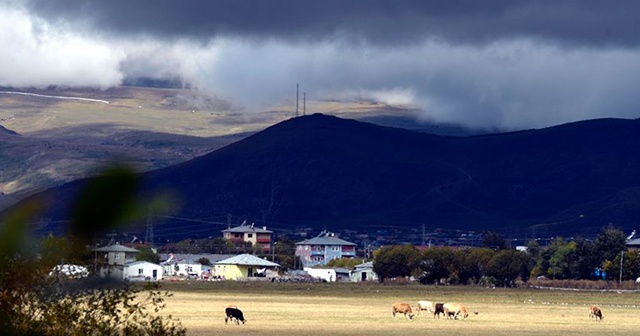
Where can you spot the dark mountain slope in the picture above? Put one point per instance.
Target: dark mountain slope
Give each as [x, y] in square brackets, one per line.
[334, 173]
[315, 169]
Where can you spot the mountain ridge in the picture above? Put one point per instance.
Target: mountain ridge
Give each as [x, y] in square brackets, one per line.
[328, 172]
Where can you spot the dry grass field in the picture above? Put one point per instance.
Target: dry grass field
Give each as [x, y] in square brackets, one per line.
[365, 309]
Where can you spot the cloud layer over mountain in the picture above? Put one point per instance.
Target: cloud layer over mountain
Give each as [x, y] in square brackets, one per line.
[511, 64]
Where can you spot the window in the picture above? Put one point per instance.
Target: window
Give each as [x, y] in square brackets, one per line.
[140, 271]
[249, 235]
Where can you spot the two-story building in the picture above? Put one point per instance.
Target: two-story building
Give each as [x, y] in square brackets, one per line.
[119, 262]
[249, 234]
[324, 248]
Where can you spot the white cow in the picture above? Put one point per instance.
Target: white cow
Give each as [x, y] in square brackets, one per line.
[453, 310]
[425, 305]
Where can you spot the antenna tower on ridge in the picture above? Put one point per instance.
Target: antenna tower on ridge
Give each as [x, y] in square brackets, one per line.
[297, 98]
[149, 234]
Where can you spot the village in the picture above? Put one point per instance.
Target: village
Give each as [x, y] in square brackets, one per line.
[121, 261]
[253, 254]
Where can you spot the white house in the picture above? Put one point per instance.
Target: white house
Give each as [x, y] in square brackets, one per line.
[114, 258]
[142, 271]
[326, 274]
[178, 264]
[119, 262]
[337, 274]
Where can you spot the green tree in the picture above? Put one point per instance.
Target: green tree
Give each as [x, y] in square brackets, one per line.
[561, 257]
[586, 260]
[494, 240]
[475, 264]
[630, 268]
[438, 264]
[536, 255]
[609, 243]
[349, 263]
[204, 261]
[395, 261]
[219, 245]
[507, 266]
[285, 250]
[147, 254]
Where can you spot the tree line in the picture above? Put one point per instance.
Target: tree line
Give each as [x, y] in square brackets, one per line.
[605, 257]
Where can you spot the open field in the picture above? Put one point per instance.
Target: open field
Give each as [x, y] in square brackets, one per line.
[365, 309]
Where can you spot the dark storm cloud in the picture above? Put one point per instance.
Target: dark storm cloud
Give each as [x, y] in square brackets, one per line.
[383, 22]
[487, 63]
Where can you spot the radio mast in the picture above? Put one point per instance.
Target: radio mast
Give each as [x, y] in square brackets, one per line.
[297, 99]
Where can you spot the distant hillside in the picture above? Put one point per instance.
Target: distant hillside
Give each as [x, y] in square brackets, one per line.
[327, 172]
[65, 132]
[5, 131]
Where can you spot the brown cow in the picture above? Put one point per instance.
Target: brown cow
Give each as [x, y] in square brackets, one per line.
[595, 312]
[438, 308]
[453, 310]
[404, 308]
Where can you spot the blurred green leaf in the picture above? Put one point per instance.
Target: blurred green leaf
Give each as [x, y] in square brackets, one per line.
[108, 201]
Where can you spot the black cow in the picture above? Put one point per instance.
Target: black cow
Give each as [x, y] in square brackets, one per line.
[439, 308]
[232, 313]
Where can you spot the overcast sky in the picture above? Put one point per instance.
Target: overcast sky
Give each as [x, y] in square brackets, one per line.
[512, 64]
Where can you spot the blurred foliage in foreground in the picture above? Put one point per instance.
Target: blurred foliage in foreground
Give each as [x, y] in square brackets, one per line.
[34, 300]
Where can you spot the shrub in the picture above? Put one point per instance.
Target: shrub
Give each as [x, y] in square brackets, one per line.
[36, 301]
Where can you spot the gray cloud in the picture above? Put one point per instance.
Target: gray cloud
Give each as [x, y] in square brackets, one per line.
[390, 22]
[511, 64]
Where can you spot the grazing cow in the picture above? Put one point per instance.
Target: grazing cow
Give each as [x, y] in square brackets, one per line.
[595, 312]
[437, 309]
[403, 308]
[425, 305]
[453, 310]
[231, 313]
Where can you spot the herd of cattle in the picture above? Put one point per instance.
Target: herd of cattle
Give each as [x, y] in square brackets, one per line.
[449, 310]
[455, 310]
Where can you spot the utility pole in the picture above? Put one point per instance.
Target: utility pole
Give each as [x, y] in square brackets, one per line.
[297, 98]
[422, 234]
[149, 234]
[621, 259]
[273, 252]
[304, 103]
